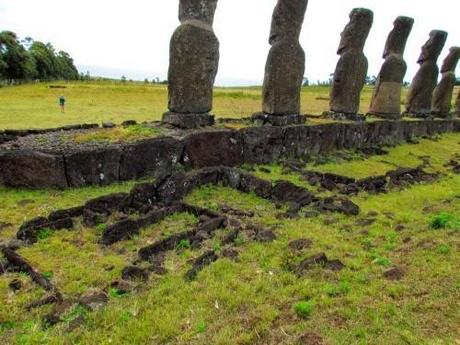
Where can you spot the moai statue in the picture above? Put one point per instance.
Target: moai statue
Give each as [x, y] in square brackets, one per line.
[193, 64]
[386, 100]
[418, 101]
[351, 71]
[285, 65]
[442, 95]
[457, 106]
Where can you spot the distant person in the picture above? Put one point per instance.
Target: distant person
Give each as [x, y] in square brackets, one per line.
[62, 103]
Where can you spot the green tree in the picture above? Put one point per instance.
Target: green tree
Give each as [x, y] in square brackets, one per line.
[66, 67]
[15, 61]
[45, 60]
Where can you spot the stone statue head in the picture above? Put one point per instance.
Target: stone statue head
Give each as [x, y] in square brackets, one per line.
[451, 61]
[201, 10]
[287, 20]
[357, 30]
[433, 47]
[397, 39]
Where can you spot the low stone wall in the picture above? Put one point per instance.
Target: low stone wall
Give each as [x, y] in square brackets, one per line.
[159, 157]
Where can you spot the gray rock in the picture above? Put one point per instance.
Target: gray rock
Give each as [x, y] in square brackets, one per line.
[386, 100]
[443, 93]
[199, 10]
[419, 99]
[108, 125]
[285, 64]
[194, 60]
[351, 70]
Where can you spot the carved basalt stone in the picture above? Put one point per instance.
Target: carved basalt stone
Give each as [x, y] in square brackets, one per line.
[442, 95]
[285, 65]
[457, 105]
[418, 101]
[386, 100]
[351, 70]
[194, 60]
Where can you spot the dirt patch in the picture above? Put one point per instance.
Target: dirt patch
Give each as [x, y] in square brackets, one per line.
[394, 273]
[299, 245]
[310, 338]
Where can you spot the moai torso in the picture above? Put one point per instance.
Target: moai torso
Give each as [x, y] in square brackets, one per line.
[194, 58]
[351, 70]
[386, 99]
[443, 93]
[418, 101]
[285, 65]
[457, 105]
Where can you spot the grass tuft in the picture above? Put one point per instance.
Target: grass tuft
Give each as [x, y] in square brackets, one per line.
[304, 309]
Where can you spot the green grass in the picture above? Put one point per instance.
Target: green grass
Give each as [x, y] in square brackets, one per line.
[131, 133]
[255, 299]
[97, 102]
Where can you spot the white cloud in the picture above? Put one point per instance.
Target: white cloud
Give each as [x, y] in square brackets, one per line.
[131, 36]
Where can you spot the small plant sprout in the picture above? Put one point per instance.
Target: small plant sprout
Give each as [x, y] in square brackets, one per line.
[304, 309]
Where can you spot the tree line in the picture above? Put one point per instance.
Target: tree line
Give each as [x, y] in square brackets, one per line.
[26, 60]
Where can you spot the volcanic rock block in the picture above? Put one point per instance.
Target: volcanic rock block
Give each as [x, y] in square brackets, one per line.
[123, 230]
[32, 169]
[442, 95]
[457, 105]
[200, 263]
[107, 204]
[24, 266]
[351, 70]
[420, 95]
[285, 64]
[193, 64]
[29, 231]
[286, 192]
[93, 167]
[156, 157]
[135, 273]
[215, 148]
[67, 213]
[386, 100]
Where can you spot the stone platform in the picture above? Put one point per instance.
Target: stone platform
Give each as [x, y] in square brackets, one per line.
[160, 157]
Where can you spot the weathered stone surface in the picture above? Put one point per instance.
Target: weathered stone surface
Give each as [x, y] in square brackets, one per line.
[193, 67]
[32, 169]
[457, 105]
[93, 167]
[420, 95]
[150, 158]
[199, 10]
[120, 231]
[135, 273]
[200, 263]
[443, 93]
[260, 145]
[285, 65]
[67, 213]
[285, 192]
[28, 232]
[386, 100]
[214, 148]
[194, 59]
[188, 121]
[107, 204]
[351, 70]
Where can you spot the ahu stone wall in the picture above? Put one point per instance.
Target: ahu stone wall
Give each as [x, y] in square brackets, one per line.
[160, 157]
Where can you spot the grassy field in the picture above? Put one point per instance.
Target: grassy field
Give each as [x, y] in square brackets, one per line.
[36, 105]
[256, 300]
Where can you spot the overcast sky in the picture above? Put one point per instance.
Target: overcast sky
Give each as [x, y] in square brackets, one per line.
[115, 37]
